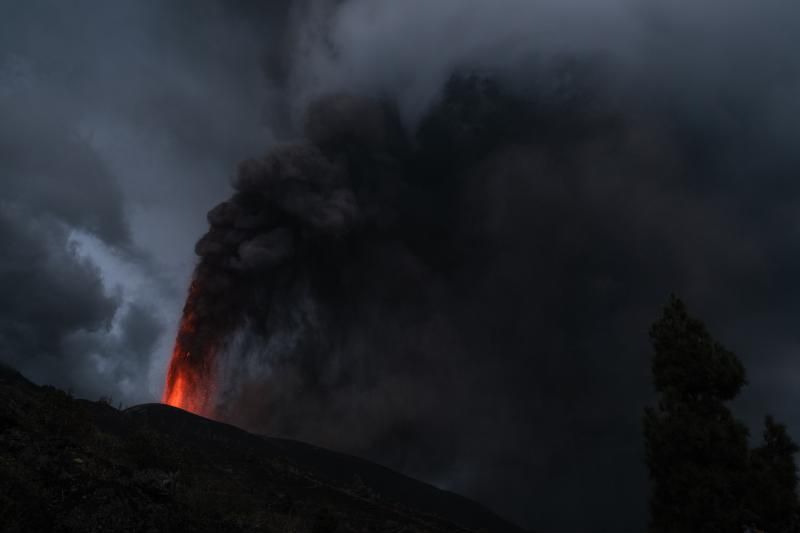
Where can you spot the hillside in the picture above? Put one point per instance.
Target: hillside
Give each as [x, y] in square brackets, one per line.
[72, 465]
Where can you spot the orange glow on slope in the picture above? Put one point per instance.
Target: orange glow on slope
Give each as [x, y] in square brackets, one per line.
[189, 378]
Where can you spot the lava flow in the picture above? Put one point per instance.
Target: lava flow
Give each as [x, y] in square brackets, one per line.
[190, 375]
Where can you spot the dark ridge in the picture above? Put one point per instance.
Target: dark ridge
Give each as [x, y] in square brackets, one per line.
[342, 468]
[78, 466]
[333, 468]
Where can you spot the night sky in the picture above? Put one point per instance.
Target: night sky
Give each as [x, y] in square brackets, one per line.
[502, 195]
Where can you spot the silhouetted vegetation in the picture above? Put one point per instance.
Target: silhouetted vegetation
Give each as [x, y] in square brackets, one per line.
[773, 481]
[704, 476]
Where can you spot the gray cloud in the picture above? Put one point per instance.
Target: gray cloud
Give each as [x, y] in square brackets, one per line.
[47, 292]
[120, 125]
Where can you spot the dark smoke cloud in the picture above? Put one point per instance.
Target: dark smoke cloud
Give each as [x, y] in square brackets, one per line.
[474, 292]
[456, 279]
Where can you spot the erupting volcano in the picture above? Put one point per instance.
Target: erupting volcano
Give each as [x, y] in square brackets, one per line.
[269, 248]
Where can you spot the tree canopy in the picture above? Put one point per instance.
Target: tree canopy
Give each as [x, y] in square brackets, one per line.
[703, 475]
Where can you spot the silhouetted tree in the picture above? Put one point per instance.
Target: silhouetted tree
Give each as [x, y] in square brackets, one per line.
[773, 482]
[696, 451]
[703, 476]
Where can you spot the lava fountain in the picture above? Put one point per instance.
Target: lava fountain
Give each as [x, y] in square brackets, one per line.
[190, 376]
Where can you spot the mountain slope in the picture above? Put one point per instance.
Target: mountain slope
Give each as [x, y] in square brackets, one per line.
[74, 465]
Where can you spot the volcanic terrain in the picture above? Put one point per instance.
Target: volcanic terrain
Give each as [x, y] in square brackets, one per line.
[73, 465]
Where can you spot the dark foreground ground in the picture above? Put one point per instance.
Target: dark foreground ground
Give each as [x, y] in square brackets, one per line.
[70, 465]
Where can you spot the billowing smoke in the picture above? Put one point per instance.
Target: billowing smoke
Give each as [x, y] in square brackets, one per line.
[455, 278]
[275, 244]
[368, 286]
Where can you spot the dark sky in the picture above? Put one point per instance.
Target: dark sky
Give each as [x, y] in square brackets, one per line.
[633, 148]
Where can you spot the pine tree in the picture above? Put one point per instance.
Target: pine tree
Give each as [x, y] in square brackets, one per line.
[703, 476]
[696, 451]
[773, 482]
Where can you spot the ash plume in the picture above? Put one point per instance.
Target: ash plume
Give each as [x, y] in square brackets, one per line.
[454, 275]
[367, 283]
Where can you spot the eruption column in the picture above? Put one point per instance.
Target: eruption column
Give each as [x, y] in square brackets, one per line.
[190, 376]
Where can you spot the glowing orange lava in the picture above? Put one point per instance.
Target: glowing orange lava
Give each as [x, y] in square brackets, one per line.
[190, 377]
